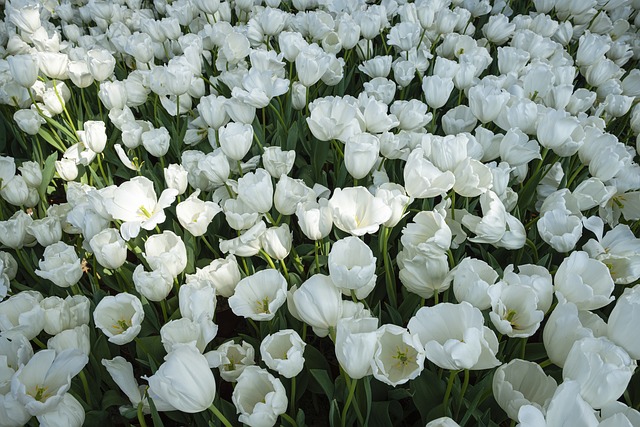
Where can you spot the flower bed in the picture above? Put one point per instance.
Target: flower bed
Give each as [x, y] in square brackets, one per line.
[319, 213]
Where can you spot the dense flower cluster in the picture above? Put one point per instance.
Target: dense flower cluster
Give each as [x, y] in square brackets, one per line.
[326, 204]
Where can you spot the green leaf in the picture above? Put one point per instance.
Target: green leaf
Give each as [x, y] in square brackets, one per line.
[47, 174]
[334, 414]
[325, 382]
[112, 398]
[157, 422]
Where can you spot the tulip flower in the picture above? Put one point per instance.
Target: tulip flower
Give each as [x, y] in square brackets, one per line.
[621, 327]
[195, 215]
[61, 265]
[454, 336]
[40, 384]
[283, 352]
[356, 342]
[398, 357]
[259, 397]
[351, 263]
[135, 203]
[184, 380]
[584, 281]
[357, 211]
[520, 383]
[260, 295]
[231, 359]
[602, 369]
[119, 317]
[319, 304]
[109, 248]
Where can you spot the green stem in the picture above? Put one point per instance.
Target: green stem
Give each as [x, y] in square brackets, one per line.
[141, 415]
[285, 271]
[219, 415]
[293, 396]
[163, 305]
[465, 384]
[352, 389]
[268, 259]
[391, 285]
[85, 386]
[316, 248]
[447, 394]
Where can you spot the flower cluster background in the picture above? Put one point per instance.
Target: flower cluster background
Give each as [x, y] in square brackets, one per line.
[319, 212]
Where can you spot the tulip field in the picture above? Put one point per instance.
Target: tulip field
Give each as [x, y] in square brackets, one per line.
[319, 213]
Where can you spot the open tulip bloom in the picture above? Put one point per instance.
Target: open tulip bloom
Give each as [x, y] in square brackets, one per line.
[301, 212]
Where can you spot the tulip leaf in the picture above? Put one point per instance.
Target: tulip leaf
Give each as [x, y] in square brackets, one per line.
[157, 421]
[47, 174]
[325, 382]
[292, 137]
[112, 398]
[334, 414]
[300, 418]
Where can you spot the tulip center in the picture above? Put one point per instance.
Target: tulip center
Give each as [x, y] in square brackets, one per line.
[510, 317]
[402, 357]
[231, 365]
[263, 306]
[144, 211]
[121, 325]
[41, 394]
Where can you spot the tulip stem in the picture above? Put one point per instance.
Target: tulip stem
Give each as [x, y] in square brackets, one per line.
[316, 248]
[391, 286]
[85, 386]
[352, 388]
[293, 396]
[163, 305]
[285, 271]
[141, 420]
[219, 415]
[465, 384]
[447, 394]
[268, 259]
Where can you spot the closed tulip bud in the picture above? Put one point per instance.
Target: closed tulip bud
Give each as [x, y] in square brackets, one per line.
[29, 121]
[109, 248]
[298, 96]
[621, 327]
[156, 141]
[54, 64]
[256, 190]
[95, 135]
[47, 231]
[351, 263]
[24, 69]
[278, 162]
[13, 232]
[15, 191]
[184, 380]
[101, 63]
[235, 140]
[113, 94]
[520, 383]
[184, 331]
[360, 154]
[61, 265]
[356, 342]
[319, 304]
[315, 219]
[211, 109]
[471, 280]
[277, 241]
[175, 176]
[75, 338]
[166, 250]
[80, 74]
[21, 315]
